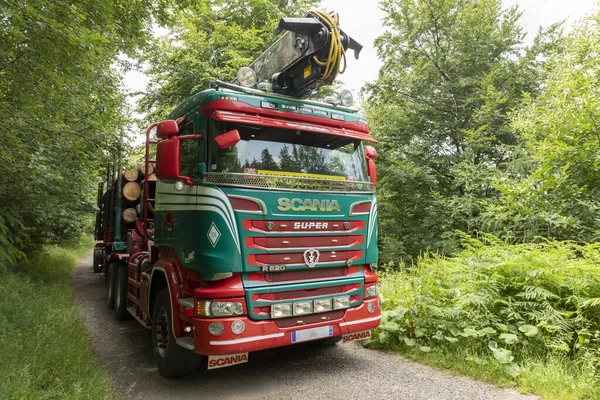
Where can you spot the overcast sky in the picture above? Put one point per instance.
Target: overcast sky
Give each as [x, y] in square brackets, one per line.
[361, 19]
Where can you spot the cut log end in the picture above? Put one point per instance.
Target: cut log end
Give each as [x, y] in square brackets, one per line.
[131, 175]
[130, 215]
[131, 191]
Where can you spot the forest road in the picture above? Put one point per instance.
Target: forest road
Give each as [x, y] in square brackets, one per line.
[343, 371]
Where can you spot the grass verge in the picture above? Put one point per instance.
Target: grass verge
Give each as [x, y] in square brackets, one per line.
[524, 316]
[44, 348]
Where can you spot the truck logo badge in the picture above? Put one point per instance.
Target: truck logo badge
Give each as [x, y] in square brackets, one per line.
[346, 225]
[311, 257]
[285, 204]
[213, 234]
[270, 225]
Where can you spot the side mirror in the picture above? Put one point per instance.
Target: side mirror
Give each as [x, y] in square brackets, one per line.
[371, 155]
[228, 139]
[168, 161]
[167, 129]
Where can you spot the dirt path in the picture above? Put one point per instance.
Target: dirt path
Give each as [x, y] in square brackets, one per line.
[124, 349]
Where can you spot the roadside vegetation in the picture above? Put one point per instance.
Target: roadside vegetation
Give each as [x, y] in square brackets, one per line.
[519, 315]
[44, 348]
[490, 262]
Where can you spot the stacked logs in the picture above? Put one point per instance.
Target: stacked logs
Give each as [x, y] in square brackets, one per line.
[131, 192]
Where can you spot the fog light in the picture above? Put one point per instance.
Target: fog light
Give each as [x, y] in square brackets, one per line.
[371, 308]
[247, 77]
[281, 310]
[322, 305]
[216, 328]
[188, 329]
[237, 326]
[339, 303]
[303, 308]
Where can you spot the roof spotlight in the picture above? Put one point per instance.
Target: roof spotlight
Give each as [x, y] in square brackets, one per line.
[346, 98]
[246, 77]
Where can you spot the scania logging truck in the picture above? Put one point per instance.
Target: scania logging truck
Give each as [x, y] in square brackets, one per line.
[260, 230]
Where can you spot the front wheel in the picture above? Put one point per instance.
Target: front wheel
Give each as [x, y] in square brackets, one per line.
[172, 360]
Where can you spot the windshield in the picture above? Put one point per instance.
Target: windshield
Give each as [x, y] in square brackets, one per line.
[274, 151]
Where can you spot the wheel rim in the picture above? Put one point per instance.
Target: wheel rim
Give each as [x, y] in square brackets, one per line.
[161, 333]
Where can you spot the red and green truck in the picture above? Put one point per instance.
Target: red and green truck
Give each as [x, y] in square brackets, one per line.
[260, 230]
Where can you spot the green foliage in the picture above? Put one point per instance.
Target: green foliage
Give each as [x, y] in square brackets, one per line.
[211, 40]
[552, 187]
[452, 71]
[43, 344]
[508, 304]
[62, 110]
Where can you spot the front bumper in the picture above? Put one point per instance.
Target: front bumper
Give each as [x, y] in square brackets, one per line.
[261, 335]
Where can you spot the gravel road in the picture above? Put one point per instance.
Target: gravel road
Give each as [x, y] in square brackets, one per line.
[124, 349]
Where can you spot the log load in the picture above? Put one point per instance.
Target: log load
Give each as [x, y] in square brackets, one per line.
[129, 215]
[142, 168]
[131, 191]
[131, 175]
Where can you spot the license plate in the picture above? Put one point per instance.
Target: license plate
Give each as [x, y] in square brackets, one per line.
[356, 336]
[312, 333]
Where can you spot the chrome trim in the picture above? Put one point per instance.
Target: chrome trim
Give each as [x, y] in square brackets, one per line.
[246, 90]
[360, 321]
[246, 340]
[290, 183]
[261, 204]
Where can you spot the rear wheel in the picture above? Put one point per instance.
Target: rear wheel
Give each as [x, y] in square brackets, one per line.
[121, 293]
[98, 259]
[172, 360]
[110, 284]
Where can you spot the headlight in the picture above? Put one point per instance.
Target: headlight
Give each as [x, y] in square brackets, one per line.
[372, 291]
[322, 305]
[303, 308]
[339, 303]
[247, 77]
[281, 310]
[212, 308]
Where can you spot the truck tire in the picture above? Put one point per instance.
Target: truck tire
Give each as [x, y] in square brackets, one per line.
[98, 259]
[121, 291]
[172, 360]
[110, 284]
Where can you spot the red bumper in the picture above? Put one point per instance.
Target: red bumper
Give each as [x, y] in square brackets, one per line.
[261, 335]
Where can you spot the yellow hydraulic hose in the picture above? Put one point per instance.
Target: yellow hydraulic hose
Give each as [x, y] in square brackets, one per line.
[336, 49]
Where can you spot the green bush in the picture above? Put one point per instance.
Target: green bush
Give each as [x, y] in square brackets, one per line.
[513, 305]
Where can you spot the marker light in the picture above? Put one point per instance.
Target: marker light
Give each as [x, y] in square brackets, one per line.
[179, 185]
[346, 98]
[246, 77]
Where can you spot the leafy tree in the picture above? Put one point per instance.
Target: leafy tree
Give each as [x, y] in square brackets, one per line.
[452, 70]
[62, 109]
[212, 40]
[552, 188]
[267, 162]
